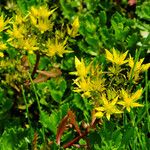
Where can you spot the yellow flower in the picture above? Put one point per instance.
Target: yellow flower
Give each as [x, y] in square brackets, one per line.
[98, 84]
[84, 86]
[44, 25]
[82, 70]
[45, 12]
[30, 44]
[73, 32]
[19, 19]
[41, 12]
[116, 57]
[138, 68]
[34, 11]
[1, 54]
[51, 50]
[56, 47]
[138, 65]
[3, 23]
[129, 101]
[3, 46]
[16, 32]
[40, 18]
[108, 108]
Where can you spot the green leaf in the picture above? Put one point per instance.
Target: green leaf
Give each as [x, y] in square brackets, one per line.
[116, 18]
[6, 103]
[88, 24]
[117, 137]
[50, 121]
[78, 101]
[64, 109]
[92, 40]
[68, 9]
[57, 88]
[143, 10]
[56, 95]
[22, 6]
[128, 135]
[14, 138]
[132, 40]
[103, 18]
[68, 62]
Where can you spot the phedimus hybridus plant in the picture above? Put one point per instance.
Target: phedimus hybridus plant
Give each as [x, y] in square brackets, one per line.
[37, 52]
[30, 36]
[110, 91]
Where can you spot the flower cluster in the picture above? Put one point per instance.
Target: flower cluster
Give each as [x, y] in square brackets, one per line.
[29, 33]
[108, 90]
[40, 18]
[32, 35]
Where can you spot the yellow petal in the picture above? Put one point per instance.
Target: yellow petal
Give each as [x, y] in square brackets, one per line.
[115, 101]
[75, 23]
[116, 56]
[137, 105]
[108, 116]
[121, 103]
[109, 56]
[137, 95]
[128, 109]
[130, 61]
[99, 108]
[145, 67]
[99, 114]
[77, 62]
[124, 55]
[124, 93]
[1, 54]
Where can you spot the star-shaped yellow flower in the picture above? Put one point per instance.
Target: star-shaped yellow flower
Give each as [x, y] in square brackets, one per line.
[108, 108]
[84, 87]
[129, 100]
[82, 69]
[138, 65]
[73, 32]
[55, 47]
[137, 68]
[40, 18]
[3, 23]
[116, 57]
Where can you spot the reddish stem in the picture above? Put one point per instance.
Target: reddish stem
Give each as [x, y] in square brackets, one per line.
[76, 139]
[93, 124]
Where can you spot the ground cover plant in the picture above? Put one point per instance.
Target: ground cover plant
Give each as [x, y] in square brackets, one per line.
[74, 74]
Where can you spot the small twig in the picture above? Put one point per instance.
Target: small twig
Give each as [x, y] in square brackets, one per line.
[36, 65]
[76, 139]
[72, 142]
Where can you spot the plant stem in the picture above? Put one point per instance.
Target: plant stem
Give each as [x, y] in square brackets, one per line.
[27, 110]
[76, 139]
[146, 99]
[36, 65]
[38, 103]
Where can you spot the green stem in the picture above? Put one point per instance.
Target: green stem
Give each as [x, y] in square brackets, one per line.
[146, 99]
[27, 110]
[147, 103]
[38, 103]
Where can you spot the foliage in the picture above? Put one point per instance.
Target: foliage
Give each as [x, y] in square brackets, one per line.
[74, 74]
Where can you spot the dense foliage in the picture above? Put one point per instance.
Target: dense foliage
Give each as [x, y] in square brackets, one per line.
[74, 74]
